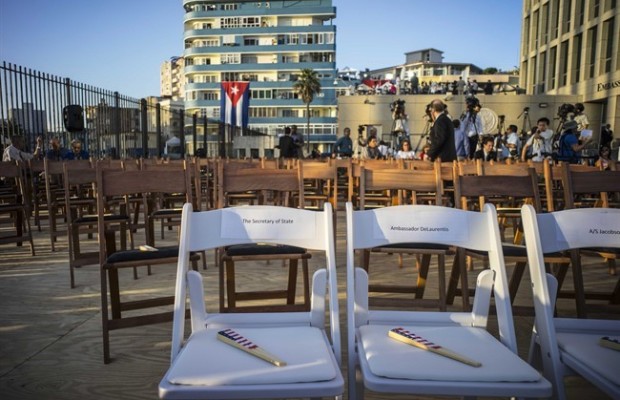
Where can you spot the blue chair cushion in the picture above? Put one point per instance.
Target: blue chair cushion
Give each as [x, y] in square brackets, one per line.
[262, 249]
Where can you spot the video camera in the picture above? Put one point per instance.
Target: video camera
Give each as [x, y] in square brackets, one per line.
[472, 103]
[565, 110]
[360, 130]
[397, 108]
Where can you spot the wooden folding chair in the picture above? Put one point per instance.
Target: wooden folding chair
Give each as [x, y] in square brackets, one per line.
[471, 193]
[404, 186]
[13, 205]
[113, 183]
[282, 186]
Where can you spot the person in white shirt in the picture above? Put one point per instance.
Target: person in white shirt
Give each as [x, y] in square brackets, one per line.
[540, 142]
[510, 143]
[14, 152]
[405, 151]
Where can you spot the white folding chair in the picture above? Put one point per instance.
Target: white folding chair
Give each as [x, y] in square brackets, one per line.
[204, 367]
[570, 345]
[390, 366]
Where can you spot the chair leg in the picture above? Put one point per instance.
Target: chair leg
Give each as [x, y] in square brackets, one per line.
[441, 276]
[578, 283]
[515, 280]
[230, 284]
[292, 282]
[611, 266]
[422, 276]
[306, 282]
[105, 333]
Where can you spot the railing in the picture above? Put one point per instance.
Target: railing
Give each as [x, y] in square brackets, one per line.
[115, 125]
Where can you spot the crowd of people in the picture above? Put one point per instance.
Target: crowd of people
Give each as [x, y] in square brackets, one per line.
[16, 151]
[464, 138]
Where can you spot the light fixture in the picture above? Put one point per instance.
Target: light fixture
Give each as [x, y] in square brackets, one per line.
[543, 105]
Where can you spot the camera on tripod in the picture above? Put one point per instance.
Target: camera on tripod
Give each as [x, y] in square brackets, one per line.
[360, 130]
[397, 108]
[565, 111]
[473, 105]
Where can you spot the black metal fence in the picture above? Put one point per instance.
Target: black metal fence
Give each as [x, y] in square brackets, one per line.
[115, 125]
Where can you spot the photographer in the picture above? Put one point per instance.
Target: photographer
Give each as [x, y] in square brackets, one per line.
[472, 124]
[539, 143]
[344, 144]
[570, 146]
[510, 143]
[580, 117]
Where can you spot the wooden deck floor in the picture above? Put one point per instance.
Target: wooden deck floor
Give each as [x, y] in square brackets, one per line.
[50, 335]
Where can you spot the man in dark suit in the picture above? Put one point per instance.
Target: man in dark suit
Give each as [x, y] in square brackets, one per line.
[442, 134]
[286, 145]
[486, 153]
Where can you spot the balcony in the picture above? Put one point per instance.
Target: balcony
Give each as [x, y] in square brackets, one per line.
[317, 66]
[196, 33]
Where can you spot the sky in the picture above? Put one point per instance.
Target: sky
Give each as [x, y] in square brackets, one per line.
[119, 45]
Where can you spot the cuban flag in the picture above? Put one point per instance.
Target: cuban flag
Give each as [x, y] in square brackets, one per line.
[235, 103]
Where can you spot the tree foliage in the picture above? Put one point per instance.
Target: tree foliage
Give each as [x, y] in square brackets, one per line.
[307, 86]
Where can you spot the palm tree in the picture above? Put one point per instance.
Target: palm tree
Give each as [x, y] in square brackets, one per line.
[307, 86]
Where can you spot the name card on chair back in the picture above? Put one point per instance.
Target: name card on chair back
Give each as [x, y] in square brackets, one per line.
[427, 226]
[267, 224]
[599, 230]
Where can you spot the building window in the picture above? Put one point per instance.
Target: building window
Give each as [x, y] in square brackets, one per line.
[608, 33]
[229, 7]
[552, 65]
[542, 68]
[592, 49]
[232, 22]
[595, 8]
[545, 23]
[577, 44]
[563, 63]
[526, 35]
[210, 96]
[567, 16]
[555, 18]
[230, 58]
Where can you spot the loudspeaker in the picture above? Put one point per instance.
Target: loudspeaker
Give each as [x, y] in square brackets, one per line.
[73, 118]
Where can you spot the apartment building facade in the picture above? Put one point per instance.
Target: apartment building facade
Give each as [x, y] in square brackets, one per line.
[172, 80]
[571, 47]
[266, 43]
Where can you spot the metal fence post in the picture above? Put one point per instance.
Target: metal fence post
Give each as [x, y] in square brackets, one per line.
[145, 129]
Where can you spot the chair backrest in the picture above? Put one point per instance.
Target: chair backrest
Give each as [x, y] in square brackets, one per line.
[429, 224]
[13, 174]
[251, 224]
[559, 231]
[495, 168]
[485, 186]
[590, 181]
[323, 173]
[241, 180]
[401, 180]
[116, 183]
[553, 179]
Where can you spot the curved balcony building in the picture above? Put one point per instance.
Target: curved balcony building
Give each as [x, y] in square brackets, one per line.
[266, 43]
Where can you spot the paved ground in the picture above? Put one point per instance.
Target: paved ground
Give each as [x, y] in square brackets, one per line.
[50, 335]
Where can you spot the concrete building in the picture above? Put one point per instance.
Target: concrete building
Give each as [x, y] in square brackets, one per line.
[266, 43]
[172, 80]
[571, 48]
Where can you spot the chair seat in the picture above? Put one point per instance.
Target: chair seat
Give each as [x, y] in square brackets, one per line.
[166, 212]
[615, 251]
[206, 361]
[417, 246]
[515, 250]
[93, 218]
[585, 347]
[260, 249]
[139, 255]
[389, 358]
